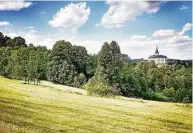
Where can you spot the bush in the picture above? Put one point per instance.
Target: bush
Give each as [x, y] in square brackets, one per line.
[180, 95]
[101, 89]
[170, 93]
[186, 99]
[98, 90]
[79, 80]
[155, 96]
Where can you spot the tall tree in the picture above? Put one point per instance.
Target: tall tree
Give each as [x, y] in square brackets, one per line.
[18, 63]
[91, 65]
[60, 67]
[79, 59]
[107, 70]
[18, 41]
[3, 40]
[5, 53]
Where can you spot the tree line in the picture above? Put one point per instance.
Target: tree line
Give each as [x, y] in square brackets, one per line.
[108, 73]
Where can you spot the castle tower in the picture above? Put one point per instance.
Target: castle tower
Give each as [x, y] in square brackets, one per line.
[156, 51]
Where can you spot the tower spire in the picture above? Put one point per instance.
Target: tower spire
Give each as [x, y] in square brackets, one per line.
[156, 51]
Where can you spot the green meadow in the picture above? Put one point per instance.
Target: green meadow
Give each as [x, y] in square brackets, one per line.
[51, 108]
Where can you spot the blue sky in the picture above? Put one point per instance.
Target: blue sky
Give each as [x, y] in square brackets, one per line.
[138, 27]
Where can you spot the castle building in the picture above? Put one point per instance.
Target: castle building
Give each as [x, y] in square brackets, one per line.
[159, 59]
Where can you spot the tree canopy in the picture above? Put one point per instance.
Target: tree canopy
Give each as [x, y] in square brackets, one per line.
[108, 73]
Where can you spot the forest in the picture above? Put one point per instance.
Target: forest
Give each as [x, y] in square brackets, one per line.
[106, 74]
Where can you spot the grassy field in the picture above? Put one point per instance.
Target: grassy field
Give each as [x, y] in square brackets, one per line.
[51, 108]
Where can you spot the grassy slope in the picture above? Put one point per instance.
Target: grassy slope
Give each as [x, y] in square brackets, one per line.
[54, 108]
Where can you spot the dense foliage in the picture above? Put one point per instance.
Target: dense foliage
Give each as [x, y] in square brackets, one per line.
[109, 73]
[105, 81]
[67, 64]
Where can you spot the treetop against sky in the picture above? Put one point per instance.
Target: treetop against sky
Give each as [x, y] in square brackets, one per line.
[137, 26]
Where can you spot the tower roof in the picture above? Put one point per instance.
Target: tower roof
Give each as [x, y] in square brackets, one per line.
[156, 55]
[156, 51]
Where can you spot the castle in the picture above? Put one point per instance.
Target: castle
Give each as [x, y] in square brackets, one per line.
[159, 59]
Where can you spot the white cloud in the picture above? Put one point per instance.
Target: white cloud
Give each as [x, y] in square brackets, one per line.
[14, 5]
[30, 27]
[174, 47]
[5, 23]
[178, 39]
[139, 38]
[186, 28]
[171, 33]
[136, 46]
[164, 33]
[183, 7]
[37, 38]
[142, 46]
[43, 40]
[122, 11]
[72, 16]
[172, 44]
[33, 31]
[92, 46]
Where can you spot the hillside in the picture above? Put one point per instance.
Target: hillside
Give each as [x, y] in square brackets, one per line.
[54, 108]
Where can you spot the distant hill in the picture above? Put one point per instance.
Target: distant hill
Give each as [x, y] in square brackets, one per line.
[137, 60]
[175, 62]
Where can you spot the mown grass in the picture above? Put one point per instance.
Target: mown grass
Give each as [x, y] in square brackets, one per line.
[54, 109]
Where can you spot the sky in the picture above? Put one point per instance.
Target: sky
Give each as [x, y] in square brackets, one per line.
[137, 26]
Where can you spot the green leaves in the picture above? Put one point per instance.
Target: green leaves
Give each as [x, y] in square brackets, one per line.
[108, 73]
[8, 42]
[106, 78]
[67, 64]
[27, 63]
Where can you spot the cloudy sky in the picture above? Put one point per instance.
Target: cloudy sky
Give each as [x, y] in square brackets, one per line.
[138, 27]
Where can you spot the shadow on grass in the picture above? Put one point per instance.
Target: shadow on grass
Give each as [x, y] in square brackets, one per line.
[19, 113]
[32, 116]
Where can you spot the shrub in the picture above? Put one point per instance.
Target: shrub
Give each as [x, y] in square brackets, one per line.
[101, 89]
[79, 80]
[98, 90]
[180, 95]
[170, 93]
[155, 96]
